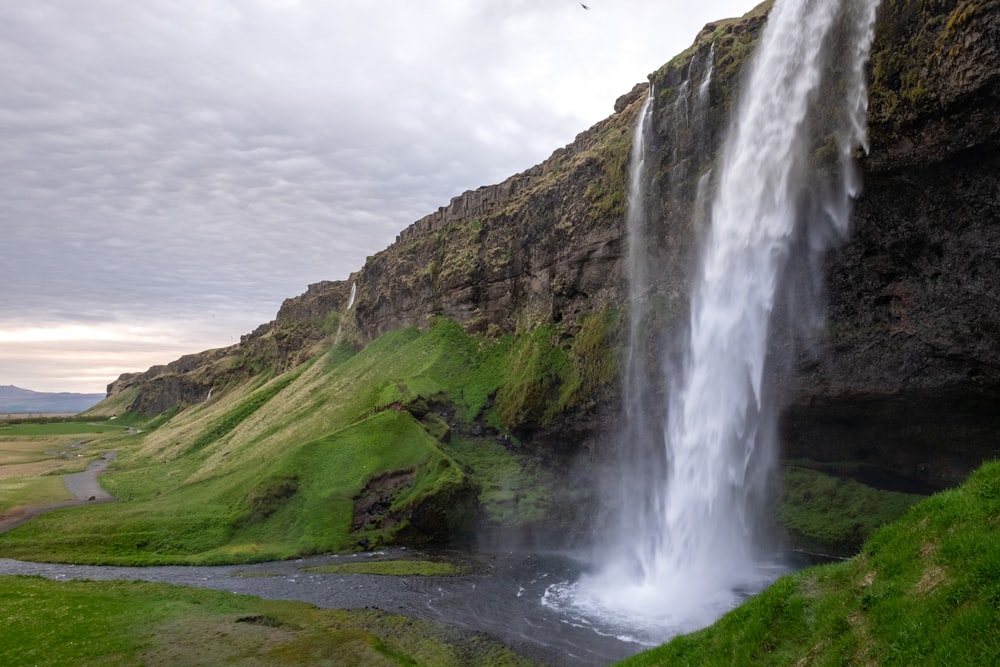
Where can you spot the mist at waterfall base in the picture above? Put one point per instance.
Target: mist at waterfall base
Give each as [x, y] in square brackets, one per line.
[691, 538]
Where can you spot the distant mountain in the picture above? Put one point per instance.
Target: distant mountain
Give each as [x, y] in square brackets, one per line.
[16, 400]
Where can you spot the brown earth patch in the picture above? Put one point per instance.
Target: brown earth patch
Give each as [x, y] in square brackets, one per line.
[932, 577]
[371, 505]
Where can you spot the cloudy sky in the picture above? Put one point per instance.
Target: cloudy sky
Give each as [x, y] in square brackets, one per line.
[173, 169]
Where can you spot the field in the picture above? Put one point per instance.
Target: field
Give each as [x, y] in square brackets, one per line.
[33, 456]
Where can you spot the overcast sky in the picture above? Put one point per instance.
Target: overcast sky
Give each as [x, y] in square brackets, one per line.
[171, 170]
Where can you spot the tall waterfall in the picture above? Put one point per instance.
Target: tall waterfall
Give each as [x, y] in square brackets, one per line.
[782, 192]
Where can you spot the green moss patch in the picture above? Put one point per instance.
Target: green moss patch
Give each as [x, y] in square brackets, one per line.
[832, 515]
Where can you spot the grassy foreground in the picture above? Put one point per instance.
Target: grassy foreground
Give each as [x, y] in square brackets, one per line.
[82, 623]
[924, 590]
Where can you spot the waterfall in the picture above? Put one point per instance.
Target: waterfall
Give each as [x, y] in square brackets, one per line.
[782, 194]
[707, 81]
[350, 302]
[354, 293]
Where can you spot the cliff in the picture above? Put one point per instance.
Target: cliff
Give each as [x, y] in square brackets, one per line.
[304, 326]
[902, 383]
[909, 381]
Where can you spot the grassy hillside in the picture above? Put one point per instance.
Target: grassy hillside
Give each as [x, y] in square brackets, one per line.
[924, 590]
[400, 442]
[407, 441]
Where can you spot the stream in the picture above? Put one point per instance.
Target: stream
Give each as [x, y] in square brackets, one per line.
[509, 597]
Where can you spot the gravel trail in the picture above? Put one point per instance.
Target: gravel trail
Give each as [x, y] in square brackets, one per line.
[83, 485]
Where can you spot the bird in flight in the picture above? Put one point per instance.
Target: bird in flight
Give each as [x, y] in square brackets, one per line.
[584, 6]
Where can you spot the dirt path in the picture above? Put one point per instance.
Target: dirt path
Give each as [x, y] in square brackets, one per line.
[83, 485]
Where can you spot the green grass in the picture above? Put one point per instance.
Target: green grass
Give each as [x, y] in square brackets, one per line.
[33, 463]
[235, 416]
[58, 428]
[81, 623]
[26, 491]
[272, 468]
[924, 590]
[832, 515]
[220, 520]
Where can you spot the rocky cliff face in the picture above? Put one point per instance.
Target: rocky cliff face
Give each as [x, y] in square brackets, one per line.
[910, 354]
[304, 326]
[543, 246]
[910, 377]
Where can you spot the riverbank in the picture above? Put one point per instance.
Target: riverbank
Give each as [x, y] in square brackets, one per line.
[501, 597]
[88, 624]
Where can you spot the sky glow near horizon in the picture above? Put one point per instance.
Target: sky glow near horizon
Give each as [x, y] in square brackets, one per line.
[174, 169]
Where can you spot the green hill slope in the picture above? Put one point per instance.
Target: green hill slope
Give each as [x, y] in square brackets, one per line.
[400, 442]
[924, 590]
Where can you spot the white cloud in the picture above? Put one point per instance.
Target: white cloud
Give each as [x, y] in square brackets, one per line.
[171, 161]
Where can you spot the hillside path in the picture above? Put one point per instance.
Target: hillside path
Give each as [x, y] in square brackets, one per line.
[83, 485]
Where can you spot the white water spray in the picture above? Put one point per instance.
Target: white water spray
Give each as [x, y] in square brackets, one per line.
[778, 207]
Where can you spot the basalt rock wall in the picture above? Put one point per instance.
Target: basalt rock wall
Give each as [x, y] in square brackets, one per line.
[908, 380]
[545, 245]
[303, 327]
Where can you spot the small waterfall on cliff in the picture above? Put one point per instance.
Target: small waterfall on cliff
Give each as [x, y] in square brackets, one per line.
[350, 302]
[354, 293]
[707, 81]
[699, 470]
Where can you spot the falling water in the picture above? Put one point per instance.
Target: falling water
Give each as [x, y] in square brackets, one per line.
[782, 198]
[350, 302]
[707, 81]
[354, 293]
